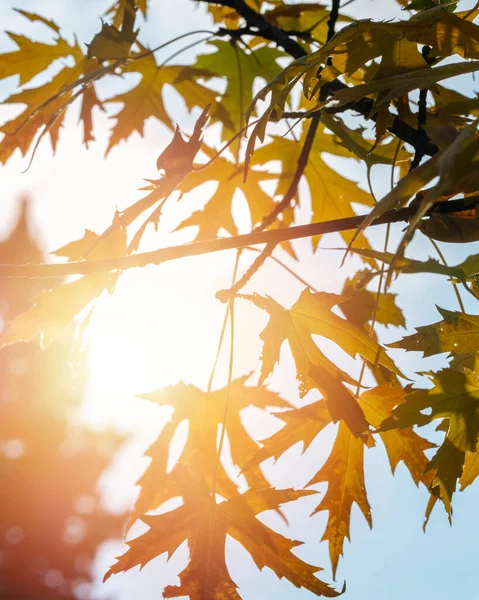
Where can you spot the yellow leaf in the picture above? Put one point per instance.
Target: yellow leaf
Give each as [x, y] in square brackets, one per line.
[331, 193]
[204, 412]
[455, 400]
[301, 425]
[21, 131]
[145, 100]
[31, 58]
[206, 527]
[401, 444]
[457, 333]
[312, 315]
[217, 214]
[344, 473]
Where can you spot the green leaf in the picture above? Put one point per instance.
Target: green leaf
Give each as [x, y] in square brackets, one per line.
[455, 397]
[457, 333]
[239, 69]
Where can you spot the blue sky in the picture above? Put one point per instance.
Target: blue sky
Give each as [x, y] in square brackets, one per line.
[76, 190]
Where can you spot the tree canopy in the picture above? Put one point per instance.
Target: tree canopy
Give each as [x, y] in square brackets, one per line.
[277, 91]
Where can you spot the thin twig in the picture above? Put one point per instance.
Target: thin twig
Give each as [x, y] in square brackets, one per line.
[444, 262]
[226, 295]
[184, 49]
[214, 507]
[169, 42]
[381, 273]
[225, 321]
[293, 187]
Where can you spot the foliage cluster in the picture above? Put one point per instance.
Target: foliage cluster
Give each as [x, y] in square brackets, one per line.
[317, 66]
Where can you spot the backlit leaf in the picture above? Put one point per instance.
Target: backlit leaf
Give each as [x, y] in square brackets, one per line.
[206, 534]
[344, 474]
[457, 333]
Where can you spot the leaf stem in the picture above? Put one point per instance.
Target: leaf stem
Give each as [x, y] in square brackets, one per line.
[293, 187]
[444, 262]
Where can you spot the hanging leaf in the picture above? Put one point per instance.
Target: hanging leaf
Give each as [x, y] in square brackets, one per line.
[402, 445]
[207, 574]
[145, 100]
[457, 333]
[464, 270]
[204, 412]
[455, 397]
[311, 315]
[344, 474]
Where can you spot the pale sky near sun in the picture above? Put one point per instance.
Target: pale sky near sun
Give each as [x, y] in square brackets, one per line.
[163, 323]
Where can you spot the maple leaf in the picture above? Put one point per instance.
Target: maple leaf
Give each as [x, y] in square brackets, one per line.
[55, 309]
[206, 535]
[32, 58]
[46, 104]
[300, 425]
[457, 333]
[344, 473]
[21, 131]
[240, 69]
[312, 315]
[217, 213]
[463, 271]
[360, 308]
[145, 100]
[454, 397]
[404, 444]
[204, 412]
[331, 193]
[111, 43]
[177, 158]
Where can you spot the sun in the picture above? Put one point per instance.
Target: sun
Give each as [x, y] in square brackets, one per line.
[160, 326]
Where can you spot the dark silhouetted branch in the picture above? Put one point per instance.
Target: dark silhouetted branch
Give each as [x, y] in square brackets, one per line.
[258, 24]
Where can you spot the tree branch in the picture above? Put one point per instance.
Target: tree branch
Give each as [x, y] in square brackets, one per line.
[273, 236]
[364, 106]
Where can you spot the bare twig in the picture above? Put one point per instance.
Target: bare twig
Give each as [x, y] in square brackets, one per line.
[226, 295]
[444, 262]
[293, 188]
